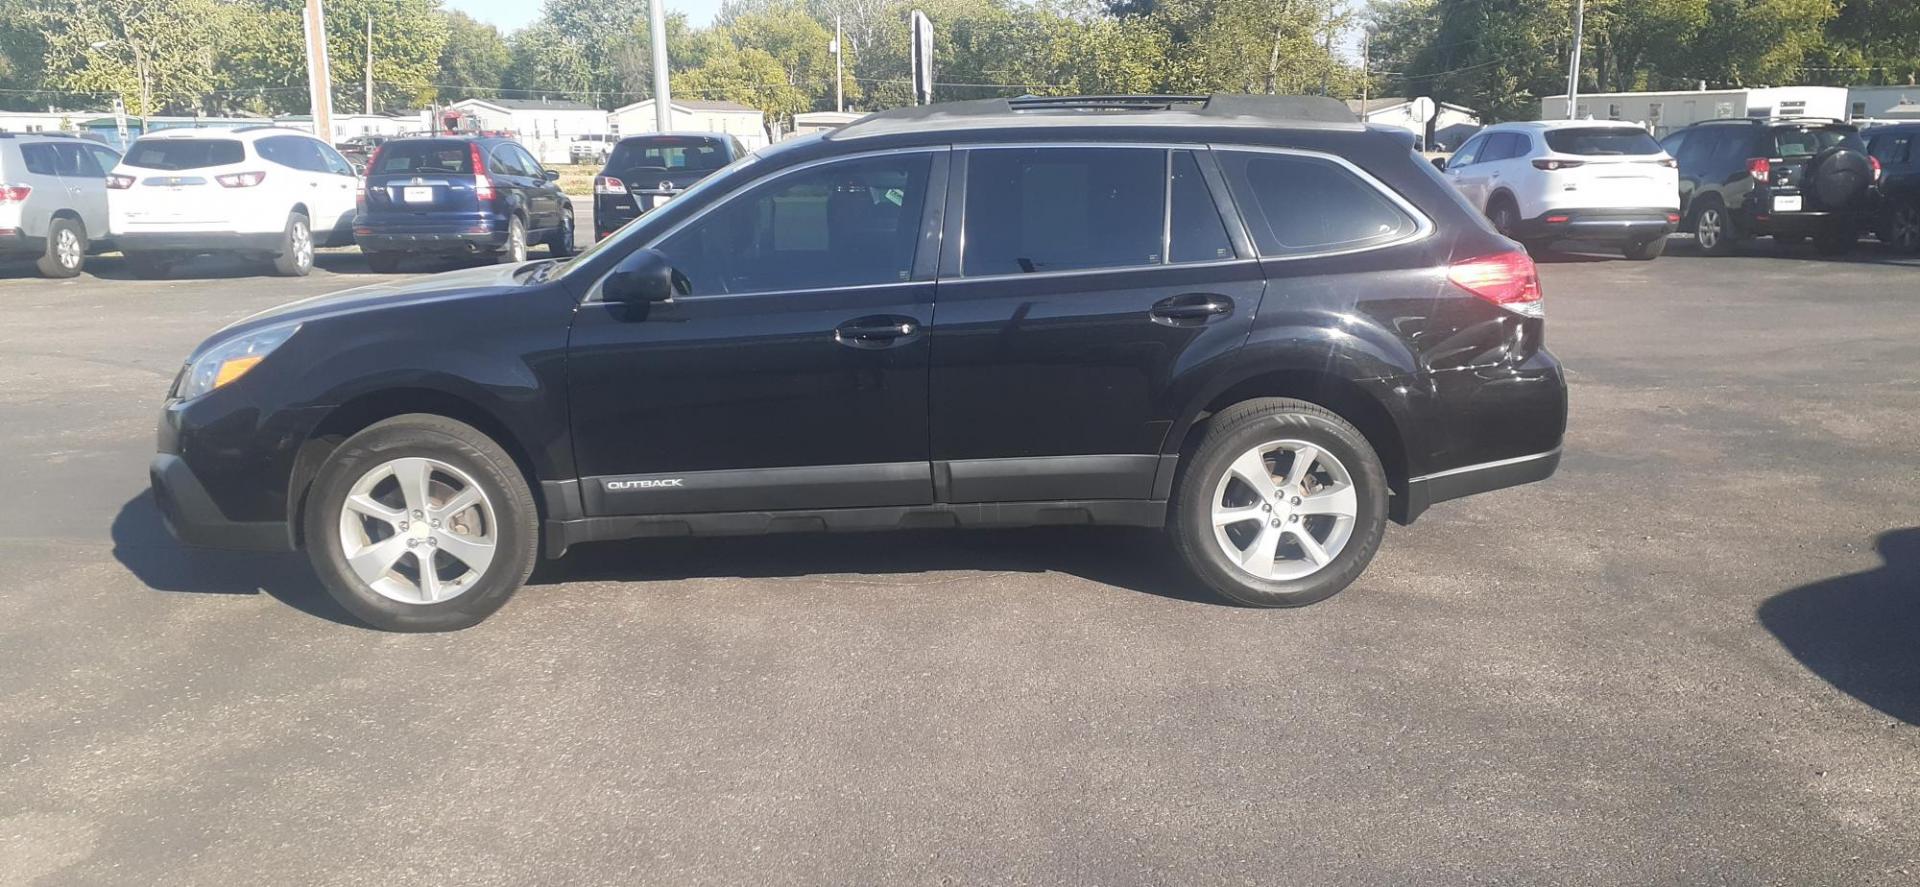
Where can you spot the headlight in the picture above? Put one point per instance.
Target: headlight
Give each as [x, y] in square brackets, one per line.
[231, 359]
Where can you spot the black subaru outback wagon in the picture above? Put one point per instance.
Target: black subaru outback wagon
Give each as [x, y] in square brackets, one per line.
[1253, 321]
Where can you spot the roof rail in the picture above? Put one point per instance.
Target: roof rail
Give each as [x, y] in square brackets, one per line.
[50, 135]
[1103, 102]
[1097, 110]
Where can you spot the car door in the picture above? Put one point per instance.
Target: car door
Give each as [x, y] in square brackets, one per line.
[1466, 172]
[793, 371]
[510, 174]
[1491, 170]
[341, 184]
[83, 168]
[1675, 145]
[1072, 303]
[545, 195]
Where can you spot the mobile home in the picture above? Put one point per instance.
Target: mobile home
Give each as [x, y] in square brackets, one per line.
[1662, 112]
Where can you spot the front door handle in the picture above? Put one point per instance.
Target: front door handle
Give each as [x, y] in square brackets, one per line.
[878, 331]
[1191, 309]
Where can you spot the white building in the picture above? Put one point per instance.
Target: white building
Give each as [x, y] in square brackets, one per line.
[692, 115]
[1663, 112]
[544, 126]
[44, 121]
[821, 121]
[1884, 102]
[1434, 122]
[346, 126]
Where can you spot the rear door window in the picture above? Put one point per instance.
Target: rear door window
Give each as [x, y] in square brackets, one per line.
[425, 157]
[1296, 204]
[180, 154]
[502, 162]
[40, 159]
[76, 161]
[526, 161]
[1032, 210]
[1601, 141]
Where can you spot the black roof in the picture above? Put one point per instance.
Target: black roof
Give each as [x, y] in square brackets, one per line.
[1097, 110]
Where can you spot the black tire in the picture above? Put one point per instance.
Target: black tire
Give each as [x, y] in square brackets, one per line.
[1504, 215]
[66, 251]
[1231, 433]
[382, 263]
[515, 250]
[295, 258]
[1836, 241]
[1903, 227]
[450, 442]
[560, 242]
[149, 266]
[1714, 230]
[1645, 250]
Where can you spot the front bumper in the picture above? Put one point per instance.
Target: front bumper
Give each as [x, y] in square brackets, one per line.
[1607, 225]
[199, 241]
[192, 517]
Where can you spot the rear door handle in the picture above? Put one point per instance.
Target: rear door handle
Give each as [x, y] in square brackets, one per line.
[1190, 309]
[876, 331]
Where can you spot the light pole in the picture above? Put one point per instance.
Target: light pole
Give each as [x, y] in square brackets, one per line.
[1573, 66]
[662, 99]
[139, 67]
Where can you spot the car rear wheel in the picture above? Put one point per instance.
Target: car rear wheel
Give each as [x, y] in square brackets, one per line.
[421, 523]
[1503, 215]
[1903, 227]
[560, 242]
[1645, 250]
[66, 249]
[1284, 504]
[515, 250]
[295, 258]
[1714, 231]
[149, 266]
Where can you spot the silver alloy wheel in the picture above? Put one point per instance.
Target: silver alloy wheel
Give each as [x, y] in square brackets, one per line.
[1284, 509]
[516, 242]
[418, 531]
[68, 249]
[1706, 229]
[1905, 233]
[300, 240]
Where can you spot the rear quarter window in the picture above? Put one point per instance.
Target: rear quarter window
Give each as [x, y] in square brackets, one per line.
[1601, 141]
[39, 159]
[1808, 142]
[1298, 204]
[434, 157]
[178, 154]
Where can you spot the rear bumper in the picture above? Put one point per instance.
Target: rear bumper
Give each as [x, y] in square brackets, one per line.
[192, 517]
[1801, 223]
[1469, 480]
[1616, 225]
[199, 241]
[462, 234]
[15, 242]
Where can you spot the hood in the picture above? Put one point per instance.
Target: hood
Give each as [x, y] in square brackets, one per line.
[450, 285]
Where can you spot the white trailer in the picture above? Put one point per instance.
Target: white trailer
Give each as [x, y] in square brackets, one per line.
[1662, 112]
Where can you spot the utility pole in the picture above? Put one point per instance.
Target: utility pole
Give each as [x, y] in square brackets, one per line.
[1366, 69]
[839, 72]
[1573, 67]
[319, 76]
[369, 61]
[662, 101]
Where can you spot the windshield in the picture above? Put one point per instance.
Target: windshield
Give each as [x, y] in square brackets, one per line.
[1602, 140]
[183, 153]
[622, 235]
[669, 153]
[1808, 142]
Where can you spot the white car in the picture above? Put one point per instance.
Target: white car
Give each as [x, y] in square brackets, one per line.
[1594, 180]
[259, 191]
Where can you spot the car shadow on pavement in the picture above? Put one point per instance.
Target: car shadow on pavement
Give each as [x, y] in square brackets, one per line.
[1860, 632]
[1134, 559]
[142, 544]
[113, 267]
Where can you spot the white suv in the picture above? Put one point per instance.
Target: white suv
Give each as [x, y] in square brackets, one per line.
[262, 191]
[1564, 179]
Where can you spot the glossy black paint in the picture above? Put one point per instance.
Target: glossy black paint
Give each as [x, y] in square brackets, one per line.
[1016, 389]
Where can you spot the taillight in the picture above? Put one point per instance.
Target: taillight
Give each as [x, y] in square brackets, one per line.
[1552, 163]
[1760, 168]
[1669, 163]
[1505, 279]
[241, 179]
[15, 193]
[1876, 166]
[119, 182]
[608, 185]
[482, 186]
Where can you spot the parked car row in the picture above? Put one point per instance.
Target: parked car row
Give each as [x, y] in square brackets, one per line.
[1722, 181]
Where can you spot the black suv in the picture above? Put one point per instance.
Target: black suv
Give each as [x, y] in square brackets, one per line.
[461, 195]
[1788, 178]
[643, 172]
[1251, 320]
[1897, 149]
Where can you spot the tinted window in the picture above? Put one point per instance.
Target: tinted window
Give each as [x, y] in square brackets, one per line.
[1601, 140]
[1698, 148]
[76, 161]
[1061, 209]
[501, 161]
[1468, 152]
[1808, 142]
[1672, 144]
[176, 154]
[1197, 233]
[1504, 145]
[1733, 147]
[669, 153]
[843, 224]
[40, 159]
[1298, 204]
[292, 152]
[432, 156]
[105, 157]
[526, 161]
[1892, 148]
[336, 164]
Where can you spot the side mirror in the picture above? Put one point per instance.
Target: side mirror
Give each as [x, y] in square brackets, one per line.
[550, 175]
[643, 276]
[1440, 163]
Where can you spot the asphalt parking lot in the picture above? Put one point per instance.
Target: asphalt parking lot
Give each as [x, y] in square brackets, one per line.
[1693, 657]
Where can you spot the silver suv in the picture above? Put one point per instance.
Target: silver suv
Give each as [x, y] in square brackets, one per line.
[53, 199]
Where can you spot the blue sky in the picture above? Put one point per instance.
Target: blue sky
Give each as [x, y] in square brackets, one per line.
[512, 14]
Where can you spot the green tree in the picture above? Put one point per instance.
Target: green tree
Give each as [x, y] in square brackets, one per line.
[157, 53]
[474, 61]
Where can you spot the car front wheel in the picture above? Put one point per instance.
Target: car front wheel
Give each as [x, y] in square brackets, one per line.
[1284, 504]
[421, 523]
